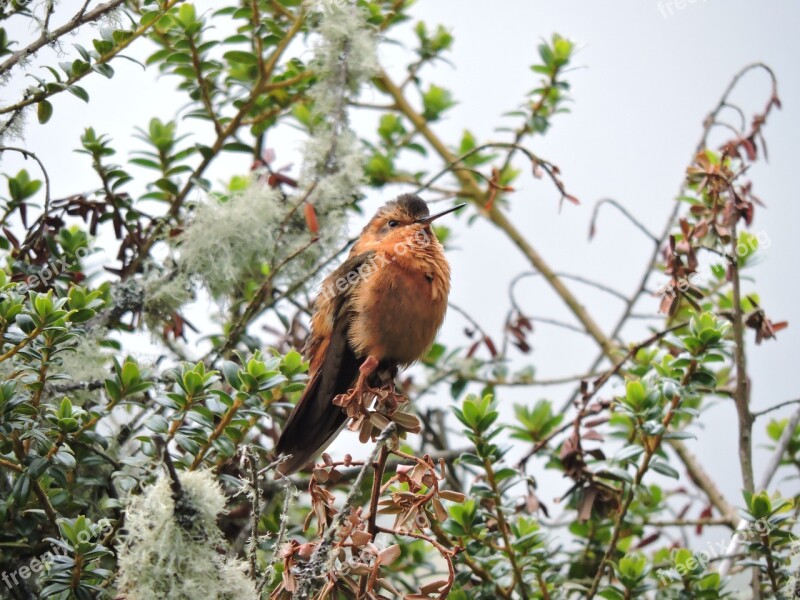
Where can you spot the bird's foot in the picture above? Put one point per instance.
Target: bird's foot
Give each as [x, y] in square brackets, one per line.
[359, 398]
[370, 409]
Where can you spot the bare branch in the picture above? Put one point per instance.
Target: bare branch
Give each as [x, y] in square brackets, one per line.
[708, 123]
[742, 395]
[776, 407]
[639, 225]
[79, 19]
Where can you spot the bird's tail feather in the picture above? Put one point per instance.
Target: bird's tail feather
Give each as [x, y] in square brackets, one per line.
[315, 420]
[313, 424]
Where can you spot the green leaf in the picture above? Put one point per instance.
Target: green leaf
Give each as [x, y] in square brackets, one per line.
[760, 506]
[616, 474]
[292, 362]
[230, 370]
[130, 373]
[38, 466]
[180, 58]
[113, 391]
[628, 453]
[44, 110]
[611, 593]
[247, 58]
[78, 91]
[104, 69]
[66, 458]
[659, 466]
[505, 473]
[149, 18]
[187, 14]
[635, 395]
[25, 323]
[65, 410]
[457, 388]
[22, 489]
[435, 101]
[632, 566]
[157, 424]
[238, 147]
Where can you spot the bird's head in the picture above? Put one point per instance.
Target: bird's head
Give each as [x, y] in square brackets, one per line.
[404, 220]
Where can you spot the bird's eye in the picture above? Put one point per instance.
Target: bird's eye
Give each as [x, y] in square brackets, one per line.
[393, 223]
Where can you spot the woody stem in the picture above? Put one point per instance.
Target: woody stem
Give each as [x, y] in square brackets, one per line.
[379, 467]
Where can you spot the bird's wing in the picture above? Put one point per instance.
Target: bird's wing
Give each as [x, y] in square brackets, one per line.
[329, 306]
[315, 420]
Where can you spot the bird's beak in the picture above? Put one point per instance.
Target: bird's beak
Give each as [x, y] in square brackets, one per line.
[431, 218]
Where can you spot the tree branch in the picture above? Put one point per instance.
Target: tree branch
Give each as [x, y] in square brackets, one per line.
[650, 450]
[47, 37]
[742, 394]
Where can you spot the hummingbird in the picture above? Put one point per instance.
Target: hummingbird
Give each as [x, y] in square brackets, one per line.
[378, 312]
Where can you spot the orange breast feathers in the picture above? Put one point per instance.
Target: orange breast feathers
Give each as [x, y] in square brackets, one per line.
[395, 302]
[400, 307]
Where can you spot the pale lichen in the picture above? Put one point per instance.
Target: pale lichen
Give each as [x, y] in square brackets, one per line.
[344, 58]
[85, 361]
[164, 293]
[169, 550]
[229, 241]
[14, 127]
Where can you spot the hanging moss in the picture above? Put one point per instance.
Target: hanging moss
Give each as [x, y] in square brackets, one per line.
[170, 550]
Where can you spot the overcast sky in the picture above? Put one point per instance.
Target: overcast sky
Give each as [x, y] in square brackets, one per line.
[647, 73]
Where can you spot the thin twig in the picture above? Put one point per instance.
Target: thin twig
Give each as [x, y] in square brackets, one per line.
[504, 528]
[446, 554]
[668, 225]
[650, 450]
[639, 225]
[704, 481]
[525, 383]
[598, 384]
[720, 521]
[32, 98]
[561, 324]
[29, 154]
[269, 572]
[262, 85]
[580, 279]
[776, 407]
[377, 480]
[255, 512]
